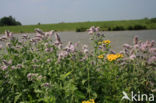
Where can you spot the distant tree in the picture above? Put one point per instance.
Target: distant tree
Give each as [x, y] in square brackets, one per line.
[39, 23]
[8, 21]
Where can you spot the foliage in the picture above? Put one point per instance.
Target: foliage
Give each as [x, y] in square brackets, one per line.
[81, 29]
[118, 28]
[137, 27]
[8, 21]
[153, 20]
[40, 70]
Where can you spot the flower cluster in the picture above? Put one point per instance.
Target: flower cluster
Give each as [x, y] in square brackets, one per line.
[141, 50]
[89, 101]
[93, 29]
[112, 57]
[101, 56]
[104, 42]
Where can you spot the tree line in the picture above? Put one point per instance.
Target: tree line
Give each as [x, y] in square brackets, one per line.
[9, 21]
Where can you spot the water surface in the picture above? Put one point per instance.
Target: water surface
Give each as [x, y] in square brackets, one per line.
[118, 38]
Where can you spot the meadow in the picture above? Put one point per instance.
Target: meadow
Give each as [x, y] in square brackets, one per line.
[82, 26]
[41, 70]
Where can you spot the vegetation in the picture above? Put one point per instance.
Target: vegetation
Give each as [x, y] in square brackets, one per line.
[40, 70]
[81, 29]
[8, 21]
[81, 26]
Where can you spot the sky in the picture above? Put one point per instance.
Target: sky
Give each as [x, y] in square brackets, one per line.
[55, 11]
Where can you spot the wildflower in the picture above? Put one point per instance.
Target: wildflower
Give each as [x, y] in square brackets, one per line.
[39, 77]
[4, 67]
[89, 101]
[99, 43]
[70, 47]
[46, 85]
[119, 55]
[48, 49]
[62, 55]
[135, 40]
[13, 67]
[31, 76]
[38, 35]
[112, 52]
[76, 45]
[112, 57]
[58, 39]
[48, 60]
[127, 46]
[97, 29]
[143, 47]
[152, 50]
[152, 43]
[106, 41]
[25, 36]
[19, 66]
[8, 34]
[59, 46]
[132, 57]
[7, 63]
[91, 30]
[50, 33]
[46, 44]
[136, 46]
[38, 31]
[101, 56]
[3, 38]
[152, 60]
[35, 39]
[85, 49]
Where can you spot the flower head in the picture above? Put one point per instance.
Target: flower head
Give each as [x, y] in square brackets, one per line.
[101, 56]
[135, 40]
[99, 43]
[106, 41]
[89, 101]
[112, 57]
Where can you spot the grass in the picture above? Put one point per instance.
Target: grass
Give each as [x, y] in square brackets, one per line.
[104, 25]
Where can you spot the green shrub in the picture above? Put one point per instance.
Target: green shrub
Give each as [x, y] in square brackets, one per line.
[81, 29]
[137, 27]
[118, 28]
[153, 20]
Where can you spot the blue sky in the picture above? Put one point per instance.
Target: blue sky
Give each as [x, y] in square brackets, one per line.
[55, 11]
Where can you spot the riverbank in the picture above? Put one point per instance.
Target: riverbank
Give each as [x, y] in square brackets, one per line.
[141, 24]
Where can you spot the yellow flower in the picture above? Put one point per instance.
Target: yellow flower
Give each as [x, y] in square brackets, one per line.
[89, 101]
[99, 43]
[106, 41]
[101, 56]
[92, 101]
[119, 55]
[112, 57]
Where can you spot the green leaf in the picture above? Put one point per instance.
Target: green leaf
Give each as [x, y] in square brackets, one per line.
[63, 76]
[17, 97]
